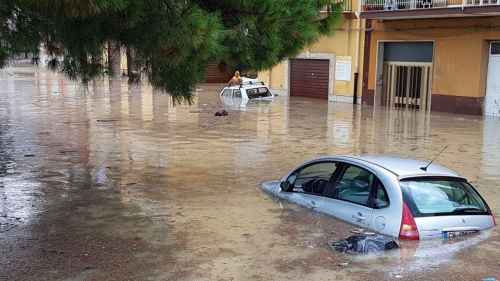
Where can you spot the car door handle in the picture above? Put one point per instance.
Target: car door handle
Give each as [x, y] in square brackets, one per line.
[359, 216]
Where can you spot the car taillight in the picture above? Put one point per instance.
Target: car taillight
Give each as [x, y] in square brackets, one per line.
[408, 229]
[493, 218]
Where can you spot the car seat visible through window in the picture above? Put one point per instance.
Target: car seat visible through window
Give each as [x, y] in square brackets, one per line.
[355, 185]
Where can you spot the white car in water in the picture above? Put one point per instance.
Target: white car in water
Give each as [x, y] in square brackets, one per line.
[403, 198]
[249, 89]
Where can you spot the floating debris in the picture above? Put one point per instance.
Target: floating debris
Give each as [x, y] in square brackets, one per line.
[364, 244]
[221, 113]
[106, 120]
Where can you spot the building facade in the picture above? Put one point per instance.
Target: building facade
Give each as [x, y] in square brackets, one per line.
[328, 69]
[437, 55]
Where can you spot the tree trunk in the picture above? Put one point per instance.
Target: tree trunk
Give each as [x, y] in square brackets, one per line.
[114, 59]
[132, 69]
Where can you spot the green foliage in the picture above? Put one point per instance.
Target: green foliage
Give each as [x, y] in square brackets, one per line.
[173, 40]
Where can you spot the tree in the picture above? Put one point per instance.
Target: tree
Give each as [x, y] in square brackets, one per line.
[171, 40]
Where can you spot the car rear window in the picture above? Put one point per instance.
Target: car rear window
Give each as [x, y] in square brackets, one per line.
[435, 197]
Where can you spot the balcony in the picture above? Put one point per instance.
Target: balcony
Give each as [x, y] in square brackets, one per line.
[401, 9]
[346, 5]
[346, 8]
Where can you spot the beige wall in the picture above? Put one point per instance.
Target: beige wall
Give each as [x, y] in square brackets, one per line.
[274, 77]
[460, 50]
[345, 43]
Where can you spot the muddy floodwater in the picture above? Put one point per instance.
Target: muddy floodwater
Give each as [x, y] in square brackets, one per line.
[114, 182]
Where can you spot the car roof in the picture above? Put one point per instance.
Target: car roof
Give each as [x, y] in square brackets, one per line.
[246, 86]
[403, 167]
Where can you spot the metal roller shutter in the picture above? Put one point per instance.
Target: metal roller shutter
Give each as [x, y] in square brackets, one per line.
[309, 78]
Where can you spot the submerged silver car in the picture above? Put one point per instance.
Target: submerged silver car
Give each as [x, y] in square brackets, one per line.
[393, 196]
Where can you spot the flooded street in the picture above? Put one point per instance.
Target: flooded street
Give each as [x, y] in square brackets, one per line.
[114, 182]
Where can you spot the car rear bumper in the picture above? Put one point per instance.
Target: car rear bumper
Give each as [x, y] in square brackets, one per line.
[437, 226]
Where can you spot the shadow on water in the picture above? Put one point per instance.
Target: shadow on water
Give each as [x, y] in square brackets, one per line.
[422, 256]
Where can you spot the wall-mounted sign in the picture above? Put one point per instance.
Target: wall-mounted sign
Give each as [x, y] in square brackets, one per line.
[343, 70]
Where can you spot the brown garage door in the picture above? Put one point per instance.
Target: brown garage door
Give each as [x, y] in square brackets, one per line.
[309, 78]
[217, 73]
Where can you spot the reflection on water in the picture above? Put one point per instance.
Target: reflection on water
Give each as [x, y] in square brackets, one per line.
[413, 257]
[131, 145]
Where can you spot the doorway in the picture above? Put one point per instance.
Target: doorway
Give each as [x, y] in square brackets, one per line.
[407, 85]
[404, 75]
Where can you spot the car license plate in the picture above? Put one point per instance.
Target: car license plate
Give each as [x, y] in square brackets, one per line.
[457, 234]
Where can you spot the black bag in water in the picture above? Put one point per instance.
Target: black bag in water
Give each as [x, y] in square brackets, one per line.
[364, 244]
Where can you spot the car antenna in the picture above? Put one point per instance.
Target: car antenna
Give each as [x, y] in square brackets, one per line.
[435, 157]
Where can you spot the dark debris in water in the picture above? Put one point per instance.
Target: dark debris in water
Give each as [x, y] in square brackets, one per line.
[221, 113]
[106, 120]
[364, 244]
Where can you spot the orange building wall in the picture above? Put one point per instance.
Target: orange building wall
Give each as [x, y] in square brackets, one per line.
[460, 50]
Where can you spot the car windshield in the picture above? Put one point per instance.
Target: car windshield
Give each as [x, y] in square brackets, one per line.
[433, 197]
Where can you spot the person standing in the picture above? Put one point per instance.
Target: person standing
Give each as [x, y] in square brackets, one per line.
[236, 80]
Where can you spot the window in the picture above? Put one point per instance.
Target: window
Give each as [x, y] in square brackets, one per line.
[355, 185]
[258, 92]
[313, 178]
[433, 197]
[252, 93]
[495, 48]
[227, 92]
[380, 198]
[237, 93]
[262, 90]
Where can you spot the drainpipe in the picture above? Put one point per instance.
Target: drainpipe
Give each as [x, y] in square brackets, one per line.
[356, 67]
[358, 51]
[366, 59]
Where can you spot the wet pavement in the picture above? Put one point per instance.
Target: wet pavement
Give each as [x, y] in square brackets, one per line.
[113, 182]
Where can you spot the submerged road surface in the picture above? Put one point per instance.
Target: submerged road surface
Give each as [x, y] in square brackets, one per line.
[116, 183]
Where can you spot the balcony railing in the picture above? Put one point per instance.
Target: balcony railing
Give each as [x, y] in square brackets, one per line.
[346, 6]
[392, 5]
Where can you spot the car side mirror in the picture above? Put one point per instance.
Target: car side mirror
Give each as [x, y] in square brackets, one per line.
[285, 185]
[288, 184]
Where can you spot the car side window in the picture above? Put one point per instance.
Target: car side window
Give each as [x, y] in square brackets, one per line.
[252, 93]
[355, 185]
[380, 197]
[313, 178]
[264, 92]
[237, 93]
[258, 92]
[226, 93]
